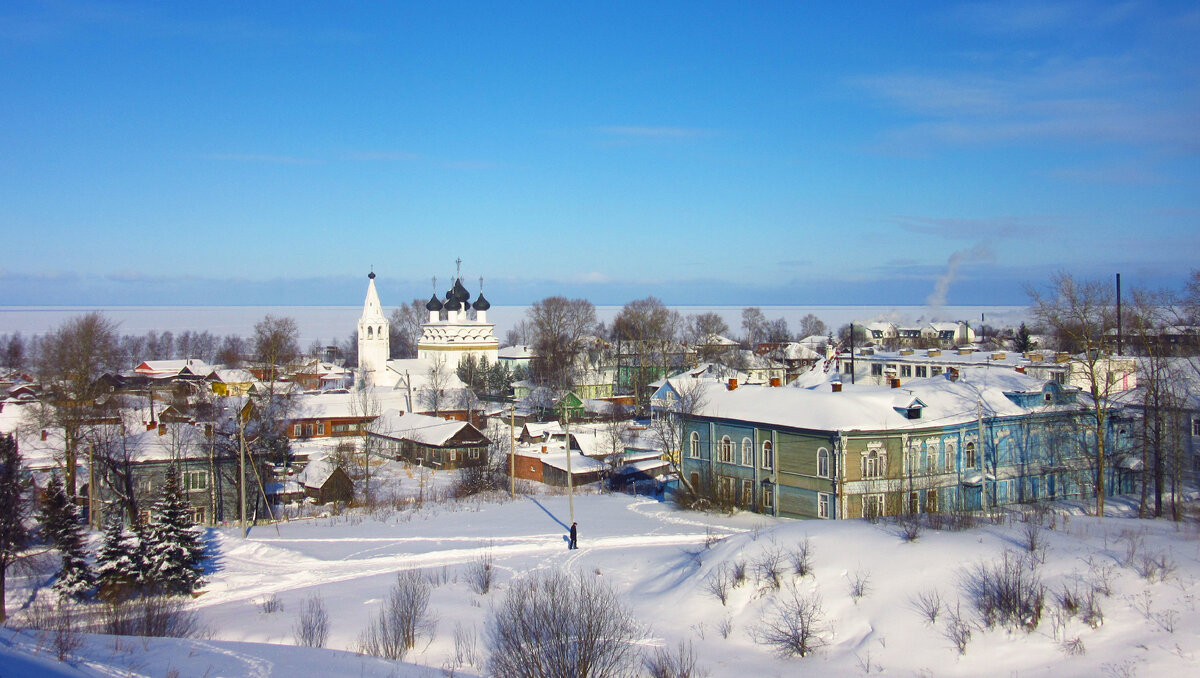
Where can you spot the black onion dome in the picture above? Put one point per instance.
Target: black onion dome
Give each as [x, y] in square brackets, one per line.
[433, 304]
[482, 304]
[371, 275]
[452, 304]
[459, 292]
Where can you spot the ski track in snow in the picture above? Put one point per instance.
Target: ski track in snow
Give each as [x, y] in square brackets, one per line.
[279, 569]
[256, 667]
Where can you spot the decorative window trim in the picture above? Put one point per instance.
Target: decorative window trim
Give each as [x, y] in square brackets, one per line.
[747, 452]
[694, 445]
[823, 469]
[725, 450]
[823, 505]
[768, 455]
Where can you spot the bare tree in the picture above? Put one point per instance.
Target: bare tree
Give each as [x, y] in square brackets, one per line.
[275, 345]
[559, 326]
[700, 327]
[71, 359]
[14, 508]
[552, 624]
[686, 399]
[1081, 315]
[812, 326]
[644, 331]
[754, 324]
[404, 325]
[364, 405]
[437, 386]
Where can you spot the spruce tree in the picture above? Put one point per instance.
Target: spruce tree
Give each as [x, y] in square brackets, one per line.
[75, 578]
[13, 510]
[54, 513]
[116, 568]
[176, 553]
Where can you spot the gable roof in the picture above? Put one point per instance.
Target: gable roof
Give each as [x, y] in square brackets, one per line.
[421, 428]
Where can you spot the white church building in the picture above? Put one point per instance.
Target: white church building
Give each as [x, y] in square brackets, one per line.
[457, 328]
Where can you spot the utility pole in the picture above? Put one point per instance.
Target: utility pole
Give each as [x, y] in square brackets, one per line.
[570, 477]
[242, 472]
[512, 447]
[852, 353]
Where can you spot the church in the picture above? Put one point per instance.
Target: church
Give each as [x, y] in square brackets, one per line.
[457, 327]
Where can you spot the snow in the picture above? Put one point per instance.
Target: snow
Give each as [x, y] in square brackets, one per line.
[657, 558]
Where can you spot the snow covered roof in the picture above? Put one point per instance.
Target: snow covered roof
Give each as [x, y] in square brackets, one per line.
[518, 352]
[155, 368]
[419, 371]
[347, 405]
[232, 376]
[316, 473]
[419, 428]
[535, 429]
[871, 408]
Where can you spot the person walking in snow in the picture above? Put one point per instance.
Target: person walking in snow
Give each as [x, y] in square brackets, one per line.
[574, 537]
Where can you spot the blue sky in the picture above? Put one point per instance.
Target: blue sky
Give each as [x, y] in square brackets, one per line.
[707, 153]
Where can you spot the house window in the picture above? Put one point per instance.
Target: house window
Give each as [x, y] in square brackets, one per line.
[195, 480]
[922, 371]
[296, 431]
[906, 370]
[876, 370]
[872, 505]
[308, 430]
[747, 492]
[725, 451]
[822, 505]
[198, 515]
[727, 489]
[768, 498]
[747, 452]
[768, 455]
[453, 455]
[874, 464]
[969, 462]
[914, 502]
[949, 458]
[934, 371]
[823, 463]
[1196, 427]
[473, 454]
[847, 367]
[320, 428]
[694, 446]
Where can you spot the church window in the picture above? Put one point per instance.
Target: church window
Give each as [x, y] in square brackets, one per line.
[370, 332]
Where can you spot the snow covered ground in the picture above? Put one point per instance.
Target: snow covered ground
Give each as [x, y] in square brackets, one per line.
[661, 562]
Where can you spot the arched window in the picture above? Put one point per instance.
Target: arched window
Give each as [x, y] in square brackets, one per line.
[874, 464]
[949, 457]
[823, 463]
[725, 452]
[694, 446]
[768, 455]
[370, 332]
[747, 452]
[969, 456]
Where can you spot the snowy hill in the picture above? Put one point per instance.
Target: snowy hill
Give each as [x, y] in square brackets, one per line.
[666, 565]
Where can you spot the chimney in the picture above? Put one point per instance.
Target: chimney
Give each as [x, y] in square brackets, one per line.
[151, 425]
[1062, 357]
[774, 381]
[966, 351]
[999, 355]
[45, 434]
[934, 352]
[837, 386]
[895, 382]
[732, 384]
[1021, 369]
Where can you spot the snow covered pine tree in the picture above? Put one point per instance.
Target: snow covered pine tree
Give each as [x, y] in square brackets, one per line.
[174, 549]
[116, 571]
[62, 525]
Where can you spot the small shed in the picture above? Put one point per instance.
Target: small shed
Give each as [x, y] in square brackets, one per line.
[326, 483]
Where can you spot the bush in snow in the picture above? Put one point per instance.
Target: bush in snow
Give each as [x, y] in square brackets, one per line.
[555, 624]
[802, 558]
[150, 615]
[929, 604]
[480, 573]
[958, 629]
[794, 626]
[860, 584]
[680, 663]
[717, 583]
[769, 569]
[404, 618]
[312, 628]
[1006, 593]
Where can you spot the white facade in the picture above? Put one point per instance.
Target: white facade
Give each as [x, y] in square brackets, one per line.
[373, 337]
[452, 333]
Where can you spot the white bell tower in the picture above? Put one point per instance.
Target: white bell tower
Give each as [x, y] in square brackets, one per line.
[373, 337]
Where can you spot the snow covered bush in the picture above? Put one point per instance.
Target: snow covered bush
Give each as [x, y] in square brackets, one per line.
[404, 618]
[795, 625]
[717, 583]
[480, 573]
[555, 624]
[150, 615]
[802, 559]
